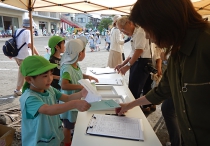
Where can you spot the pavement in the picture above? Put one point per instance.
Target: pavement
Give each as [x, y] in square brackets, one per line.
[8, 78]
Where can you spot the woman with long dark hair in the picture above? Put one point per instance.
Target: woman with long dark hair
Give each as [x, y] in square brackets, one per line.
[176, 26]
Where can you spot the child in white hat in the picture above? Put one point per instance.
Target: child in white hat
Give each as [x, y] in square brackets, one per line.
[91, 43]
[70, 74]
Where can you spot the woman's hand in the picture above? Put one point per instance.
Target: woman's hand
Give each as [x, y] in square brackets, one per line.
[123, 109]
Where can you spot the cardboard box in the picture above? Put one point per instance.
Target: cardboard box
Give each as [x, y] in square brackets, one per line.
[6, 135]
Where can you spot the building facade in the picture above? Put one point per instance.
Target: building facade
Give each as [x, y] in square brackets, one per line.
[49, 22]
[82, 19]
[10, 19]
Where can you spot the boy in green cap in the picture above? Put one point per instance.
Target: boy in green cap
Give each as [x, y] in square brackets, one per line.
[70, 75]
[57, 45]
[41, 125]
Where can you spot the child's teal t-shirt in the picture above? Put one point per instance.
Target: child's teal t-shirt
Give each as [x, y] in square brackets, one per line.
[33, 103]
[73, 75]
[67, 76]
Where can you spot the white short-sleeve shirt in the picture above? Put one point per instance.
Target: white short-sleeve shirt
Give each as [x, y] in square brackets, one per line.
[155, 53]
[25, 36]
[139, 41]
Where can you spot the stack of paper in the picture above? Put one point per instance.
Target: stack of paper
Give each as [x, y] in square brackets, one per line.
[99, 71]
[116, 126]
[116, 82]
[94, 98]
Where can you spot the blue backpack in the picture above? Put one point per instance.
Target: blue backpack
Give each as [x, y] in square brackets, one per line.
[10, 48]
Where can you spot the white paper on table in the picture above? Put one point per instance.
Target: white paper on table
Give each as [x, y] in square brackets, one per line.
[104, 81]
[92, 95]
[106, 70]
[116, 127]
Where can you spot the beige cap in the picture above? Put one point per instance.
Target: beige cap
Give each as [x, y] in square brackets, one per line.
[73, 48]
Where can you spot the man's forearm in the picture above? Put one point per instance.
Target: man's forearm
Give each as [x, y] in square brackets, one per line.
[126, 61]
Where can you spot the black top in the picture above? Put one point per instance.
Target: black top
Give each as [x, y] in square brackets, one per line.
[56, 71]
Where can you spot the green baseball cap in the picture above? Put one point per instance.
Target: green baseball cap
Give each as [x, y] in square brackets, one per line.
[53, 41]
[35, 65]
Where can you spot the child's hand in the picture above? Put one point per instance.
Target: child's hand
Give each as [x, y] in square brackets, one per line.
[92, 78]
[84, 92]
[82, 105]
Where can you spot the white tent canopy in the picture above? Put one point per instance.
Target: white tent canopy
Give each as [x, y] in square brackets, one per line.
[202, 6]
[111, 7]
[91, 6]
[75, 6]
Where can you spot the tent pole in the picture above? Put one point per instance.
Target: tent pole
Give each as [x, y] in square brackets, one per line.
[31, 27]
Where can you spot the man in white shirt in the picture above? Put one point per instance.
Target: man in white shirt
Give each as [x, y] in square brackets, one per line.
[139, 57]
[25, 51]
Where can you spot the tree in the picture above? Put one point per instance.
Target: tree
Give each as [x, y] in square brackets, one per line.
[104, 24]
[89, 25]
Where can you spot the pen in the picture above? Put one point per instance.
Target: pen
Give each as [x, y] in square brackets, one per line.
[114, 114]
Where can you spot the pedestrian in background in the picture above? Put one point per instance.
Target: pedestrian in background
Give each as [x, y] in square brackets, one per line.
[91, 43]
[25, 51]
[44, 31]
[97, 41]
[107, 40]
[116, 46]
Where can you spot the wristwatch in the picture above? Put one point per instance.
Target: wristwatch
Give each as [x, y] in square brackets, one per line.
[128, 64]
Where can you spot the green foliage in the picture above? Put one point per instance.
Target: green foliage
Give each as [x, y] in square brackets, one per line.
[104, 24]
[89, 25]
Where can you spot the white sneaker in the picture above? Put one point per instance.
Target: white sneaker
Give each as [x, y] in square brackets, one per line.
[17, 93]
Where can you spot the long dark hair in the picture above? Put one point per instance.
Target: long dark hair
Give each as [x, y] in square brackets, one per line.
[167, 20]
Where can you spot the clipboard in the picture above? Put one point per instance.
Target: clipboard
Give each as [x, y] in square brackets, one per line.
[116, 127]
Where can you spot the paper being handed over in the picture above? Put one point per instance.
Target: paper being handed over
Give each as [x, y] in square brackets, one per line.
[92, 95]
[95, 99]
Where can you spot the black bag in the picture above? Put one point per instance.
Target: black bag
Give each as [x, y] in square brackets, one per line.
[10, 48]
[149, 67]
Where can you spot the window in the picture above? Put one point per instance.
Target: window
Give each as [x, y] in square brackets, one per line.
[15, 23]
[81, 20]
